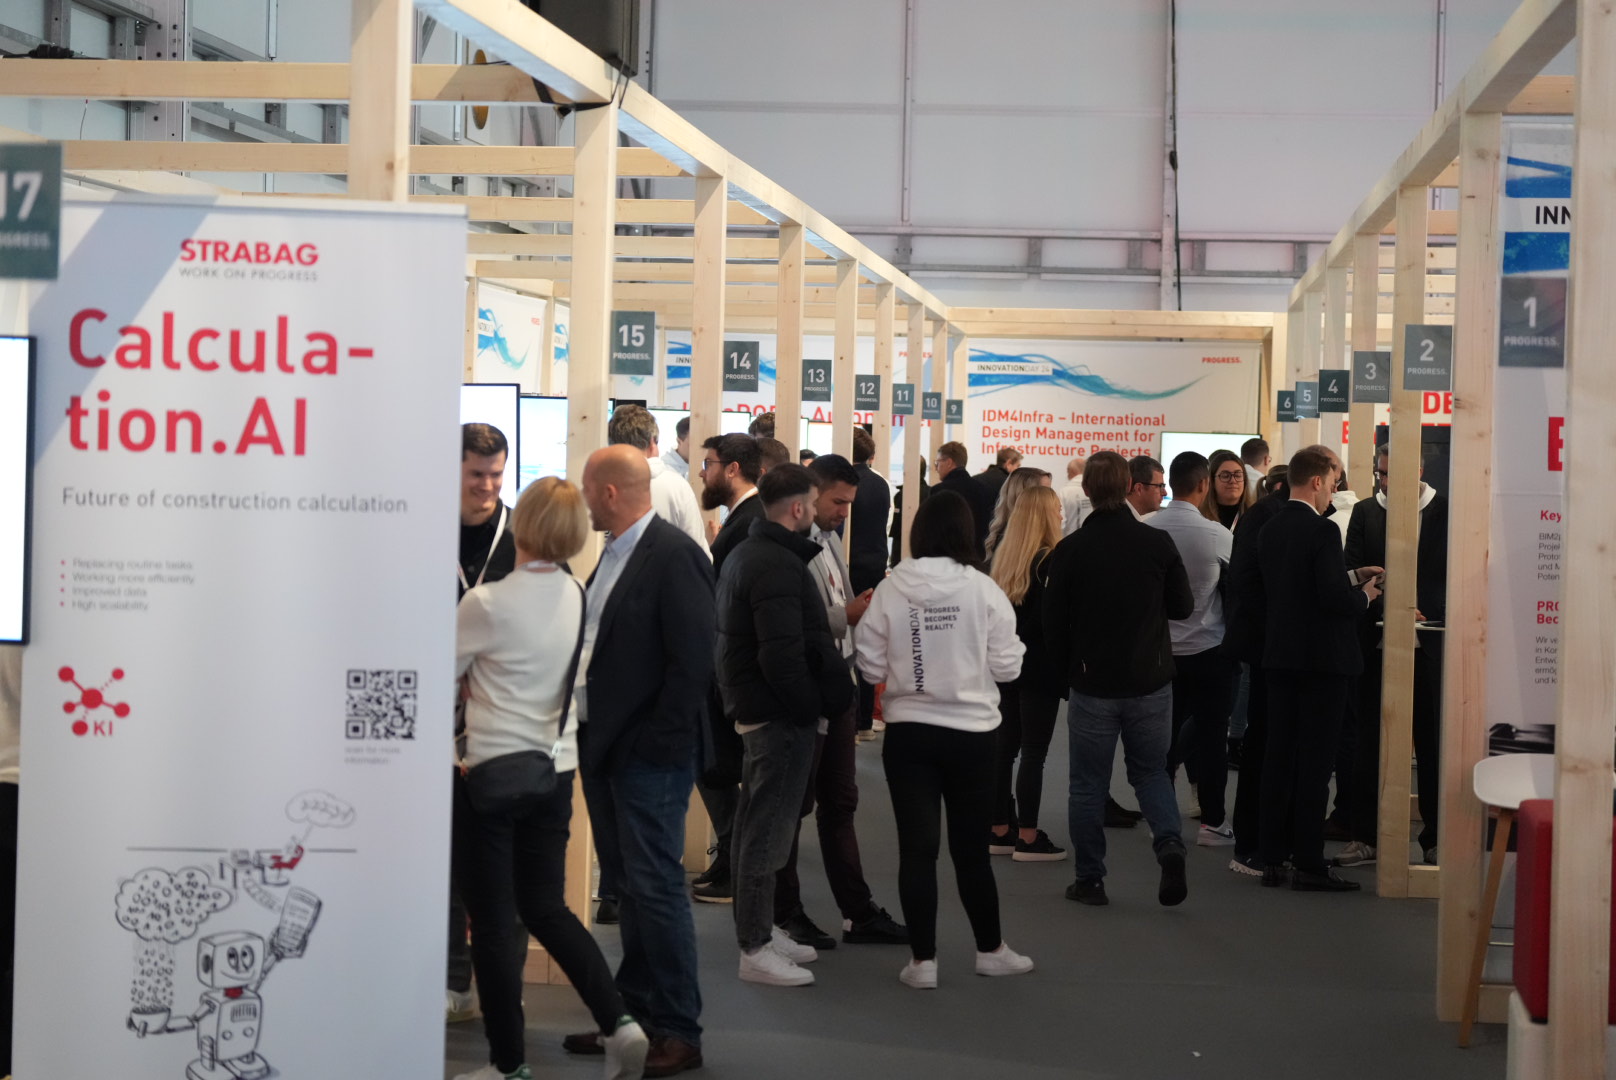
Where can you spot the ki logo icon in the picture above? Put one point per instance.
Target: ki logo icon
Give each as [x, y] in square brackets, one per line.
[91, 701]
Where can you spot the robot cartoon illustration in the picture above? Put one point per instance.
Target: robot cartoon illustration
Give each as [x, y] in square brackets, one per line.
[229, 1017]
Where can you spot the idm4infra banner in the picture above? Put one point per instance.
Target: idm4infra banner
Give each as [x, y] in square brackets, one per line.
[237, 702]
[1056, 400]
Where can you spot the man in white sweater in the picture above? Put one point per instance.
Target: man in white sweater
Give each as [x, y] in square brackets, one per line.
[671, 497]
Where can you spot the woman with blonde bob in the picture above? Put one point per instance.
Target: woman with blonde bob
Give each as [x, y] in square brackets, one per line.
[1029, 705]
[517, 647]
[1019, 482]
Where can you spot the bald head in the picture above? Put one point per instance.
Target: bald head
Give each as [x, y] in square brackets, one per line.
[617, 487]
[1074, 468]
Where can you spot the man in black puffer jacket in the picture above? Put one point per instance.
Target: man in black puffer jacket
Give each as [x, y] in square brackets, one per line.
[779, 671]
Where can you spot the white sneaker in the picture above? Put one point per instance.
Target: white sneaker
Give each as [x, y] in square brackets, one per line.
[1002, 961]
[1356, 853]
[625, 1051]
[919, 974]
[771, 968]
[488, 1072]
[1215, 835]
[460, 1007]
[781, 943]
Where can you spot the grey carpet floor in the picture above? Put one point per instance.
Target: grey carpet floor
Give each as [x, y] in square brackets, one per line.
[1239, 982]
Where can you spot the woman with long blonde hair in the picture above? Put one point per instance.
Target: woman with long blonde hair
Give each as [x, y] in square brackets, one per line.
[1027, 707]
[1018, 482]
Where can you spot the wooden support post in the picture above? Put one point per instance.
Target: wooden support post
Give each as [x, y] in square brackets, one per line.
[470, 359]
[961, 377]
[939, 383]
[844, 366]
[1281, 437]
[707, 319]
[1335, 350]
[1295, 350]
[885, 315]
[1402, 530]
[1579, 919]
[788, 340]
[1306, 365]
[1365, 331]
[914, 372]
[1463, 820]
[379, 109]
[547, 348]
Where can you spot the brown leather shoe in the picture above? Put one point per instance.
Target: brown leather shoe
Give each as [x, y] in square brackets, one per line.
[587, 1042]
[670, 1056]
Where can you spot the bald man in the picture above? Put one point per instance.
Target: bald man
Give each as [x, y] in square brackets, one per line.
[648, 654]
[1075, 505]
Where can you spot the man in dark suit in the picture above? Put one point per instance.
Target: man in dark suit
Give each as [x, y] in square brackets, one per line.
[648, 641]
[993, 477]
[952, 458]
[730, 468]
[867, 535]
[1310, 654]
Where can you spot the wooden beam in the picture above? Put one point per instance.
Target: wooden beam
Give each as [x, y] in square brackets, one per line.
[379, 115]
[1439, 223]
[674, 275]
[788, 339]
[1312, 348]
[1189, 323]
[1546, 95]
[1462, 823]
[559, 245]
[1335, 351]
[332, 158]
[1402, 531]
[914, 372]
[470, 348]
[844, 365]
[709, 319]
[1365, 338]
[547, 362]
[885, 310]
[515, 34]
[939, 383]
[1579, 919]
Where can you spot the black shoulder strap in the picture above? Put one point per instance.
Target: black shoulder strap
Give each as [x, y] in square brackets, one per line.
[572, 668]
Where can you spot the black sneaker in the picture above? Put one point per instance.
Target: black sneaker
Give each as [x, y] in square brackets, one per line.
[606, 914]
[1173, 888]
[879, 929]
[1273, 876]
[1001, 845]
[801, 929]
[1326, 880]
[1039, 849]
[717, 891]
[1091, 893]
[1118, 818]
[1235, 750]
[718, 870]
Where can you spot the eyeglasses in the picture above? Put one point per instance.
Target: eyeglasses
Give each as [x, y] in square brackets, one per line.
[1162, 487]
[1230, 477]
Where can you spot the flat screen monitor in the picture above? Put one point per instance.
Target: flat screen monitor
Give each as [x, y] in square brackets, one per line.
[817, 436]
[667, 422]
[544, 439]
[734, 423]
[496, 404]
[16, 438]
[1174, 443]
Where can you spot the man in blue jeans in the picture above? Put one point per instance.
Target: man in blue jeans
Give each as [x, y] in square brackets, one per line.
[1113, 586]
[648, 648]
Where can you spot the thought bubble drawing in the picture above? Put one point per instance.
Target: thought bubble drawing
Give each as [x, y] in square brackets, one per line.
[159, 906]
[153, 987]
[320, 809]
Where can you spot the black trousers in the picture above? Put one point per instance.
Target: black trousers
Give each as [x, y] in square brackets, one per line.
[833, 799]
[1203, 696]
[866, 703]
[1427, 740]
[1026, 727]
[1305, 712]
[459, 979]
[8, 916]
[516, 865]
[929, 768]
[1254, 747]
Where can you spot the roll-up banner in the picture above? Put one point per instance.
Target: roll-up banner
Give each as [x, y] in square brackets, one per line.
[237, 704]
[1523, 582]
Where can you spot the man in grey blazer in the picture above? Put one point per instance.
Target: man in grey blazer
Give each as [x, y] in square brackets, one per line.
[834, 782]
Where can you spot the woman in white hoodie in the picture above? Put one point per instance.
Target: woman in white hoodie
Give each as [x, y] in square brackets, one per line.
[941, 635]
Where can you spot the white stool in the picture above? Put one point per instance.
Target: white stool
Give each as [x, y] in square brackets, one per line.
[1502, 784]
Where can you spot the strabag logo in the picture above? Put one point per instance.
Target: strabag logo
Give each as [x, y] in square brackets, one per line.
[260, 253]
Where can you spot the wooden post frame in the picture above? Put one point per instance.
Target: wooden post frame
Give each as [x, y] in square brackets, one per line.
[1365, 338]
[914, 372]
[707, 319]
[379, 111]
[939, 383]
[1335, 353]
[1306, 366]
[885, 315]
[788, 340]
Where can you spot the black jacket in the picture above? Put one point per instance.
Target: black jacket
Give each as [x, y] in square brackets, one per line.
[653, 658]
[1113, 586]
[1039, 668]
[978, 498]
[896, 532]
[992, 479]
[1366, 546]
[775, 657]
[1244, 610]
[476, 558]
[735, 529]
[1312, 607]
[867, 540]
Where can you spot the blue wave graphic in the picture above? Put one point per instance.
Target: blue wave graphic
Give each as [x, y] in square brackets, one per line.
[1555, 183]
[1530, 252]
[497, 340]
[1066, 376]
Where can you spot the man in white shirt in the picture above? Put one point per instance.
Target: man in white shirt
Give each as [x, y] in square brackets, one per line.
[677, 459]
[1204, 679]
[1147, 488]
[671, 497]
[1254, 455]
[1074, 504]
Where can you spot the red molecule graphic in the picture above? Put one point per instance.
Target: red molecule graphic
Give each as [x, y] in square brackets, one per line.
[91, 698]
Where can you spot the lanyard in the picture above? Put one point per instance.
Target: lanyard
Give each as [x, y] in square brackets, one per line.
[498, 532]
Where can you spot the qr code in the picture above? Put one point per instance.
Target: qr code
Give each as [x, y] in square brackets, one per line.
[381, 704]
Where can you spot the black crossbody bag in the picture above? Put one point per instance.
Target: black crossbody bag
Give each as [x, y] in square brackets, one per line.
[508, 783]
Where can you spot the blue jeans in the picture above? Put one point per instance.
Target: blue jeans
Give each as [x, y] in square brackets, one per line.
[1146, 727]
[638, 813]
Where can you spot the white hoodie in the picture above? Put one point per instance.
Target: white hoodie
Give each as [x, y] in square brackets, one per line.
[940, 635]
